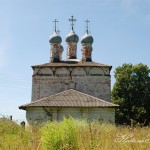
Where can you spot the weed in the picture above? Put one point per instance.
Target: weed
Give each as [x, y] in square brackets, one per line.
[72, 134]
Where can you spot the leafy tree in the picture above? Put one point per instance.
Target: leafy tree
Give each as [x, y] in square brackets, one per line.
[131, 92]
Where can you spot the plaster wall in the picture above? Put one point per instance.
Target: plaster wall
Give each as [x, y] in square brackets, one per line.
[94, 81]
[40, 114]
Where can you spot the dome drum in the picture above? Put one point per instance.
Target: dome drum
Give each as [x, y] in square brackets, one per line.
[86, 42]
[56, 48]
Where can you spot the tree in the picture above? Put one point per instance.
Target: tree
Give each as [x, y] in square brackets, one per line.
[131, 92]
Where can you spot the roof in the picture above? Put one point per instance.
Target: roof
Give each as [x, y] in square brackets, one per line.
[72, 63]
[69, 98]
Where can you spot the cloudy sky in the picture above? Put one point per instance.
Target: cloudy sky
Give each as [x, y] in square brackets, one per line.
[120, 28]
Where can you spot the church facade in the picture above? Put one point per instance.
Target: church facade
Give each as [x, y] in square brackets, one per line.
[79, 88]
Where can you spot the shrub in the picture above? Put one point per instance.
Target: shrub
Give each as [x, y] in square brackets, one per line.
[59, 135]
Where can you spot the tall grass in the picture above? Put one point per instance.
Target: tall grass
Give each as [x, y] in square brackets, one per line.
[11, 135]
[14, 137]
[73, 134]
[82, 135]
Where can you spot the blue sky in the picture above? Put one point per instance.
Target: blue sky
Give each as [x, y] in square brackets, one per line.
[120, 28]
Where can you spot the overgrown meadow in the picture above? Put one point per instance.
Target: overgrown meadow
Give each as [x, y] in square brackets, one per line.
[73, 134]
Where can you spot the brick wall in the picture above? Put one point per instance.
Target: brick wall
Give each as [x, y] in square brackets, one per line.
[94, 81]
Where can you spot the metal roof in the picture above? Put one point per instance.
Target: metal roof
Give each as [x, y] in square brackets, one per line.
[72, 63]
[69, 98]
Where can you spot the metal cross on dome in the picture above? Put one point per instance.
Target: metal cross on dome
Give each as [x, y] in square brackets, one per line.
[87, 25]
[72, 20]
[55, 24]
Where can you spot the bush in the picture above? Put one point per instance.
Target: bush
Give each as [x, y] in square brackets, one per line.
[60, 135]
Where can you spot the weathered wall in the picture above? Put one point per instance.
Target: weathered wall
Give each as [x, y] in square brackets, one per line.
[94, 81]
[40, 114]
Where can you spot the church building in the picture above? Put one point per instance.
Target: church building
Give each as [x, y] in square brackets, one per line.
[70, 87]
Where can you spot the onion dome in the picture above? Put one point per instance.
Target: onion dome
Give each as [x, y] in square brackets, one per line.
[55, 38]
[72, 37]
[87, 38]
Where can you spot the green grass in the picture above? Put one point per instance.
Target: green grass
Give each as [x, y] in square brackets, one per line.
[14, 137]
[72, 134]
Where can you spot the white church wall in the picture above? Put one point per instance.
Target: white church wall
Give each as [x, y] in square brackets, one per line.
[78, 71]
[61, 72]
[66, 112]
[36, 115]
[43, 71]
[95, 71]
[93, 81]
[40, 114]
[102, 114]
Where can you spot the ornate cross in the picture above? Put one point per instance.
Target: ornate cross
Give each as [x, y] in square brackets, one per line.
[87, 26]
[55, 24]
[72, 20]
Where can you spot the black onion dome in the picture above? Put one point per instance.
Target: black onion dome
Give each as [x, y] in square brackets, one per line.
[87, 39]
[72, 37]
[55, 38]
